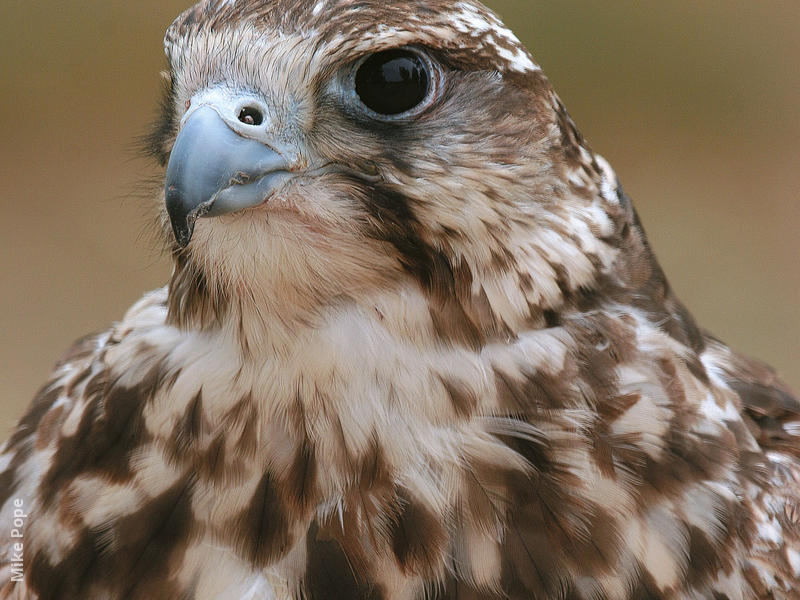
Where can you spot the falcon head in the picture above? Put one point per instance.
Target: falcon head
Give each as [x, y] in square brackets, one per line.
[319, 151]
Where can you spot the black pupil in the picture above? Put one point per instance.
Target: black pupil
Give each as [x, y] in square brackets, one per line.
[392, 82]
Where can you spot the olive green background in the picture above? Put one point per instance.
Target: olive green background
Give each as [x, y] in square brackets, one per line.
[696, 103]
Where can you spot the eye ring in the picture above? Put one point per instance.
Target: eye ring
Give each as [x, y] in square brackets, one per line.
[395, 84]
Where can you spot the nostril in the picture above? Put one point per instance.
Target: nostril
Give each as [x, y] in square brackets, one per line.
[251, 116]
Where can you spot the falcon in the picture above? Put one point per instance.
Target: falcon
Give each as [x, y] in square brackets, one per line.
[415, 345]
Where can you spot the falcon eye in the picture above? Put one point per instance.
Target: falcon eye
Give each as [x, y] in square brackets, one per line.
[392, 82]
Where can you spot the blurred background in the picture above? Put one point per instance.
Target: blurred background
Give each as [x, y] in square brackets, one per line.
[696, 103]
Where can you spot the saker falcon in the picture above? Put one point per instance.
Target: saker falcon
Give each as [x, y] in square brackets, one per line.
[415, 345]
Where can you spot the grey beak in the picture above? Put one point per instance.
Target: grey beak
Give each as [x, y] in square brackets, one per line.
[213, 171]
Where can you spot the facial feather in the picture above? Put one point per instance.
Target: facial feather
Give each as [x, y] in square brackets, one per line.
[468, 200]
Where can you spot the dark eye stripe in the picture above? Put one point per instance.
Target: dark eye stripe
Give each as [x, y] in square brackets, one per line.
[392, 82]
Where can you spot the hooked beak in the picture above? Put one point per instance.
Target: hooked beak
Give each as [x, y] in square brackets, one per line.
[213, 171]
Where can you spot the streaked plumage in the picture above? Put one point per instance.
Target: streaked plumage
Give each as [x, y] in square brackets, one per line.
[441, 361]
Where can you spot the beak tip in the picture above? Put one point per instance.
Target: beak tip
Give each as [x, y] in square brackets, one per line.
[183, 239]
[182, 221]
[182, 233]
